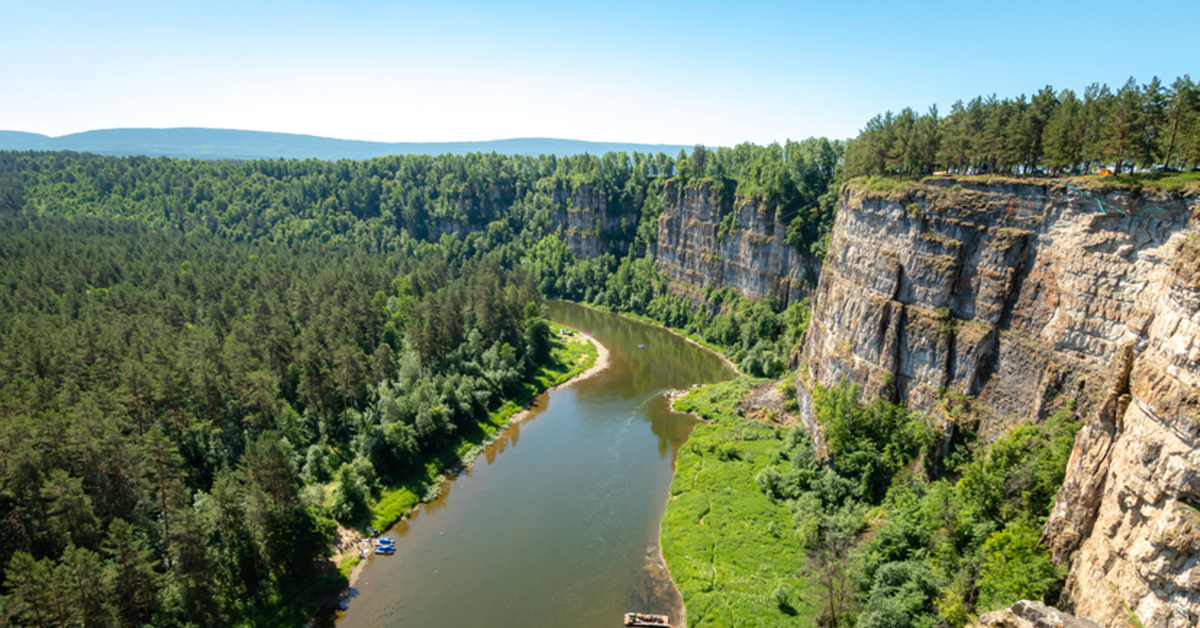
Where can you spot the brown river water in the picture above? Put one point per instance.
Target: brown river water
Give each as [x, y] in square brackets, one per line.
[557, 523]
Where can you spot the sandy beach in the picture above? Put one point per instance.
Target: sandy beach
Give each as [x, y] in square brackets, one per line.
[600, 364]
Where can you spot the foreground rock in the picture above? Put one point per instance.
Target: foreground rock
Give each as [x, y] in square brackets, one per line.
[1030, 299]
[1027, 614]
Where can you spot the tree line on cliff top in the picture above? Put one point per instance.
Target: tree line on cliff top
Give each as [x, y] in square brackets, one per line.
[1061, 132]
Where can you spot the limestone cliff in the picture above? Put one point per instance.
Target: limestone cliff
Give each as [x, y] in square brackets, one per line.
[581, 214]
[1028, 298]
[587, 225]
[1032, 614]
[752, 257]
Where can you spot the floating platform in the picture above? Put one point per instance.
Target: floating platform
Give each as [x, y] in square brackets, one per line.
[646, 619]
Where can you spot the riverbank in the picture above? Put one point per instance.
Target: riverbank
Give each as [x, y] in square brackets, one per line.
[691, 338]
[574, 357]
[679, 613]
[569, 359]
[732, 555]
[598, 366]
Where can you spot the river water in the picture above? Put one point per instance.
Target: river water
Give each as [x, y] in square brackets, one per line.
[557, 523]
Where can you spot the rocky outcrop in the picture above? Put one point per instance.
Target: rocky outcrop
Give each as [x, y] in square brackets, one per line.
[1028, 298]
[581, 214]
[586, 222]
[1029, 614]
[752, 256]
[472, 205]
[1128, 514]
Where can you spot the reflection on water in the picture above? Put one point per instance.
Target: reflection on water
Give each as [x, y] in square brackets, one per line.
[564, 529]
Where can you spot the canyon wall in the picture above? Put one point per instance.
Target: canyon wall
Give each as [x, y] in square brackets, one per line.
[581, 214]
[583, 210]
[1025, 299]
[752, 257]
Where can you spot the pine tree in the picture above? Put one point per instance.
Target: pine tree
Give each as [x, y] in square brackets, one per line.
[162, 463]
[1183, 106]
[1124, 119]
[1149, 130]
[1094, 124]
[954, 148]
[89, 586]
[132, 578]
[70, 509]
[26, 581]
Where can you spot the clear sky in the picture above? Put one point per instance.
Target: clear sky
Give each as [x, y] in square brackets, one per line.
[717, 73]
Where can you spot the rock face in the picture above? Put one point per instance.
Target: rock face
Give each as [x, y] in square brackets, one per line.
[1029, 299]
[1028, 614]
[577, 212]
[584, 209]
[752, 257]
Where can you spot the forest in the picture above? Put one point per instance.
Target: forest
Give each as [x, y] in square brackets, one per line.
[173, 407]
[1137, 127]
[207, 365]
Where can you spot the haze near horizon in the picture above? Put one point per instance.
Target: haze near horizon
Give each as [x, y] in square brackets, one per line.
[671, 73]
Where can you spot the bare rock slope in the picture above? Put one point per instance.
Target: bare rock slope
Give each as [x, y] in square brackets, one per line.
[1030, 298]
[1029, 614]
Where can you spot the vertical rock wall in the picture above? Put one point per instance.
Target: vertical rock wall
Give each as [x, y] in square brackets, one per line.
[753, 257]
[585, 208]
[1028, 298]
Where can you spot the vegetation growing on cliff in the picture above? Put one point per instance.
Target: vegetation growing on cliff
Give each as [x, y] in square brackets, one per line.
[802, 177]
[885, 534]
[1135, 126]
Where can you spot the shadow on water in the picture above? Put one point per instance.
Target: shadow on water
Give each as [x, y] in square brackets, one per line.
[564, 529]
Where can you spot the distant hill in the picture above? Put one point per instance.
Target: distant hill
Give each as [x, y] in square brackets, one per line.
[233, 144]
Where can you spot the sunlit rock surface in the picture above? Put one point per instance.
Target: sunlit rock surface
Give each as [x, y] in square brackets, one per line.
[1029, 299]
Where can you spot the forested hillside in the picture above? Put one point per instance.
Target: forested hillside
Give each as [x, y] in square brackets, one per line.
[383, 204]
[206, 364]
[474, 207]
[173, 407]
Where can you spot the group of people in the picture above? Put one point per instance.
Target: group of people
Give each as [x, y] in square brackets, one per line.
[353, 541]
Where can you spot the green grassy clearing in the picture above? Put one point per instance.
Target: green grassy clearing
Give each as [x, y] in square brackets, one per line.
[728, 546]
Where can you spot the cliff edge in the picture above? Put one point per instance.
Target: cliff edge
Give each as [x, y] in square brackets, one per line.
[1028, 297]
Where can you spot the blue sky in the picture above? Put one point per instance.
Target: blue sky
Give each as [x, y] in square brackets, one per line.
[716, 73]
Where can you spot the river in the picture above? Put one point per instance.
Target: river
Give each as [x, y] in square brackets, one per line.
[557, 523]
